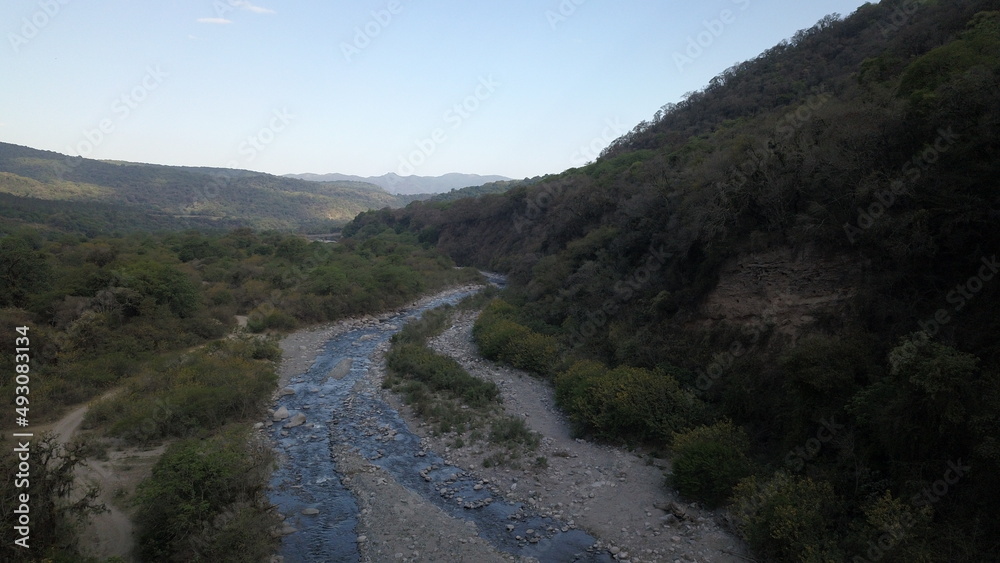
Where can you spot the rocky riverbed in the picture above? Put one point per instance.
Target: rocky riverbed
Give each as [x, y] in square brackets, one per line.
[363, 479]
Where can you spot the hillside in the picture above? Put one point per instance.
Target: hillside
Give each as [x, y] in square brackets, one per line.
[193, 196]
[785, 279]
[409, 185]
[497, 187]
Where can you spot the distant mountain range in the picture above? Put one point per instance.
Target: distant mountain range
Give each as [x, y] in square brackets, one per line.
[94, 195]
[396, 184]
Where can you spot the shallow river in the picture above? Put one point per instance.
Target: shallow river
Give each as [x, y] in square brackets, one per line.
[340, 412]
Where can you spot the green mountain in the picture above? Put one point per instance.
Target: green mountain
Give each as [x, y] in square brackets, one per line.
[789, 278]
[185, 196]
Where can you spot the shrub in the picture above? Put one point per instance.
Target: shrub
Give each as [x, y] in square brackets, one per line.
[198, 392]
[892, 531]
[440, 373]
[627, 402]
[192, 484]
[269, 318]
[512, 431]
[788, 518]
[502, 339]
[430, 324]
[709, 461]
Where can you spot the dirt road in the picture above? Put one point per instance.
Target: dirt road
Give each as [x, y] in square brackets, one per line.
[108, 534]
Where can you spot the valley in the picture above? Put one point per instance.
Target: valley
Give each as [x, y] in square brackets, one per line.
[759, 326]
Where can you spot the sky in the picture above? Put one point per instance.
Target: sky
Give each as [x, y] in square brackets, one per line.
[518, 88]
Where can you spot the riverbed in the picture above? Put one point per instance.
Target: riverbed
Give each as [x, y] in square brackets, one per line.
[333, 423]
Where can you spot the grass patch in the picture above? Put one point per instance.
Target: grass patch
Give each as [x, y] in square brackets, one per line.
[513, 433]
[429, 325]
[441, 392]
[440, 374]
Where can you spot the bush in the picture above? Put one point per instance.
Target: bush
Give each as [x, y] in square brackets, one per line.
[512, 431]
[248, 348]
[195, 393]
[195, 482]
[893, 531]
[788, 518]
[440, 373]
[268, 317]
[627, 402]
[431, 323]
[709, 461]
[502, 339]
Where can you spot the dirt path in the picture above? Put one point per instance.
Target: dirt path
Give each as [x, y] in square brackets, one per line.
[108, 534]
[613, 494]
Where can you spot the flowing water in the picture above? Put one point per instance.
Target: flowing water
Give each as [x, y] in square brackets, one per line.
[339, 410]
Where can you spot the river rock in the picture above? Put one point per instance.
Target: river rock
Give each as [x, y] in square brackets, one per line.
[310, 511]
[342, 368]
[281, 414]
[297, 420]
[286, 391]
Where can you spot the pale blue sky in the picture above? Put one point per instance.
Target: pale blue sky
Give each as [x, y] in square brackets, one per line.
[351, 87]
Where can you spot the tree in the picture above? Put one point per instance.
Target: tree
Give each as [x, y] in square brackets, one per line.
[55, 505]
[165, 284]
[23, 271]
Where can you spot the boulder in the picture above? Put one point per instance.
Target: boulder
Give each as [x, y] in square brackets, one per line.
[342, 368]
[297, 420]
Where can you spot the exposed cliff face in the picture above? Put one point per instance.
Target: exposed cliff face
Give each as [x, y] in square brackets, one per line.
[789, 290]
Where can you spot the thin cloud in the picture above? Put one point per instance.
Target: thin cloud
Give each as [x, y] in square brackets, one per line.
[248, 6]
[214, 20]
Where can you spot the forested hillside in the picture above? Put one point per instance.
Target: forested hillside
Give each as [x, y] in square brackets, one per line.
[179, 197]
[788, 280]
